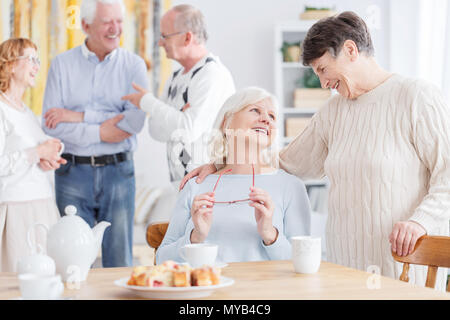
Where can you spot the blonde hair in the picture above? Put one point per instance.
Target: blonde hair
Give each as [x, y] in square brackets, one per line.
[218, 145]
[10, 50]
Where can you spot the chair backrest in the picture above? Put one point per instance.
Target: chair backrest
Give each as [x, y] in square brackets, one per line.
[431, 251]
[155, 234]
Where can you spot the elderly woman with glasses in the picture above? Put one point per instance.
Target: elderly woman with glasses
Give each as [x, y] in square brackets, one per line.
[26, 195]
[249, 208]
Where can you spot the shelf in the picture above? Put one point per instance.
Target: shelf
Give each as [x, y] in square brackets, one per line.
[293, 65]
[299, 111]
[295, 25]
[286, 80]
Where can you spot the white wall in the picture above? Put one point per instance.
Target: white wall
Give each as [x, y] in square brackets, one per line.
[403, 37]
[241, 34]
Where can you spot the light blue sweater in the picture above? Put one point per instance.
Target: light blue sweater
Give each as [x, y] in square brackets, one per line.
[234, 227]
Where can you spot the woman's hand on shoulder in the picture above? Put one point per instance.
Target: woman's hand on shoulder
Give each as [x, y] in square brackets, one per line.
[201, 213]
[202, 172]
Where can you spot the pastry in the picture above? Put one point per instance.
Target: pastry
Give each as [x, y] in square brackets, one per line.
[171, 274]
[205, 276]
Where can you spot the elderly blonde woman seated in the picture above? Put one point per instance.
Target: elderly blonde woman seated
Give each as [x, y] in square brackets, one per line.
[249, 208]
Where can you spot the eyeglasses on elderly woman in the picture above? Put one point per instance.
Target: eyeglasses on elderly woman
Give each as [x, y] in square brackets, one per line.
[32, 59]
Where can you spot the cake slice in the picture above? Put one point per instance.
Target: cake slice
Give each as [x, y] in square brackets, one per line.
[205, 276]
[138, 276]
[182, 276]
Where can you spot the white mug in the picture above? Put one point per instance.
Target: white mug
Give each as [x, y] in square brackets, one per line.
[306, 254]
[199, 254]
[36, 287]
[61, 150]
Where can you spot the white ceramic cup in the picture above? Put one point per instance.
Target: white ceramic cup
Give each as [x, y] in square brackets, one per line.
[61, 150]
[306, 253]
[36, 287]
[199, 254]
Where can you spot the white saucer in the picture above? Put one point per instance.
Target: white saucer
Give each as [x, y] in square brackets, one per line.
[174, 292]
[62, 298]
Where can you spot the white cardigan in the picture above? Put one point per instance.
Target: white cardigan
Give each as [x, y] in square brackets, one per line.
[387, 156]
[21, 179]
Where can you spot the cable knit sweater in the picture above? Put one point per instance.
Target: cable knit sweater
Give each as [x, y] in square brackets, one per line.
[387, 156]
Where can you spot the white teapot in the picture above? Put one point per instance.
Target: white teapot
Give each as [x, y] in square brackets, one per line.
[37, 263]
[74, 245]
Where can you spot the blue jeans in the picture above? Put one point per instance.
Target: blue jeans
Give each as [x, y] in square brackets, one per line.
[104, 193]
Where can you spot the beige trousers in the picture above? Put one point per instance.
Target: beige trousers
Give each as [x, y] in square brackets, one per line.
[16, 218]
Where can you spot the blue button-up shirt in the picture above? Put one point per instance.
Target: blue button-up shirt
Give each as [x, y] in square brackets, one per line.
[78, 81]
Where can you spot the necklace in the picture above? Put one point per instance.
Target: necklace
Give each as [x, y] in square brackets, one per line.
[14, 104]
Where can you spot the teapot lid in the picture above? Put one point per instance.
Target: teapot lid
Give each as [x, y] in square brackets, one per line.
[70, 210]
[71, 226]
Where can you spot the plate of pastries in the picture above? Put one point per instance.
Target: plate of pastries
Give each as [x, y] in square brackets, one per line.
[172, 280]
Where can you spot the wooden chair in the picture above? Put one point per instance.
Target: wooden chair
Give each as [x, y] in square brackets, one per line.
[155, 234]
[431, 251]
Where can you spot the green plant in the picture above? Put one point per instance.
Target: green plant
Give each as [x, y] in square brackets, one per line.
[307, 8]
[309, 80]
[285, 50]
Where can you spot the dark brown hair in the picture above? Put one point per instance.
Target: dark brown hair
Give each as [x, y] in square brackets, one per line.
[329, 34]
[9, 51]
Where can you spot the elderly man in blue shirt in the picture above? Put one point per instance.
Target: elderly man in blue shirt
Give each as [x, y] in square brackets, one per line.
[83, 108]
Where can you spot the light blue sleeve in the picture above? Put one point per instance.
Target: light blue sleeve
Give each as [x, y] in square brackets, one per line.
[80, 134]
[95, 116]
[180, 227]
[296, 222]
[134, 118]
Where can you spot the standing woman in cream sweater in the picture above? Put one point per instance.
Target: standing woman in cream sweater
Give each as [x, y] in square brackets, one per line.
[26, 195]
[384, 144]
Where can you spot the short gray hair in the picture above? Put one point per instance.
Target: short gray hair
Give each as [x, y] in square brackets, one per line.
[329, 34]
[89, 7]
[189, 18]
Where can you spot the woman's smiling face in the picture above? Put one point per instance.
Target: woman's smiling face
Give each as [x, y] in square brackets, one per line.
[338, 72]
[257, 122]
[26, 68]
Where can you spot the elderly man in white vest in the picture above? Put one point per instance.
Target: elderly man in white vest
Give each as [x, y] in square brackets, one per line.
[184, 115]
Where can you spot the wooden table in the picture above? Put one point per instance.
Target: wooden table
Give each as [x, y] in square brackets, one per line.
[268, 280]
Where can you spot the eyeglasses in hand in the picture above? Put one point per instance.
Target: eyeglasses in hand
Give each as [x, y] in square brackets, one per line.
[233, 201]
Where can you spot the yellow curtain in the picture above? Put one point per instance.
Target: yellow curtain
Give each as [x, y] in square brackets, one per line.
[39, 11]
[166, 65]
[55, 26]
[22, 28]
[75, 35]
